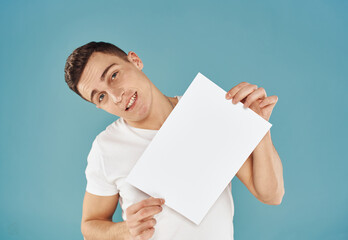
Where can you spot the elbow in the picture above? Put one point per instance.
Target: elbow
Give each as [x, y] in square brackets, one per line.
[276, 198]
[84, 230]
[276, 201]
[272, 194]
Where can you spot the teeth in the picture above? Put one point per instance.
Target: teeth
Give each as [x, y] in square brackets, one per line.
[132, 100]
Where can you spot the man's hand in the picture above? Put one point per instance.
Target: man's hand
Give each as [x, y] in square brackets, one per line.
[140, 218]
[254, 97]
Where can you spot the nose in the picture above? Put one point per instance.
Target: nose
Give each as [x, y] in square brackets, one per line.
[115, 99]
[116, 96]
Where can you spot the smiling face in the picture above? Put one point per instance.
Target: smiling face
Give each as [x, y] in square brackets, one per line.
[113, 84]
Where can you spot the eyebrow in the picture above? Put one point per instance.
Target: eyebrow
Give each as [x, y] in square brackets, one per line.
[102, 78]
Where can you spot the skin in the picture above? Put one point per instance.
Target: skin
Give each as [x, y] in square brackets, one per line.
[121, 82]
[262, 172]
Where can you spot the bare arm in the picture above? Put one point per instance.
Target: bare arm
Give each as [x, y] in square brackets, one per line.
[262, 173]
[97, 219]
[268, 171]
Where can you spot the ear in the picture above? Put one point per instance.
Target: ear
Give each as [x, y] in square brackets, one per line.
[133, 58]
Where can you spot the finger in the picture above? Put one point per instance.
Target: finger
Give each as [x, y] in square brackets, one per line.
[147, 212]
[259, 93]
[243, 92]
[144, 203]
[145, 219]
[150, 223]
[269, 100]
[146, 234]
[235, 89]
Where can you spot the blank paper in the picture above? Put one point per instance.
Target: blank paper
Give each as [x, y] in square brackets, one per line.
[198, 150]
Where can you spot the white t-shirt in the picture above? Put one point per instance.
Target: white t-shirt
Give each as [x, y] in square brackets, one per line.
[112, 156]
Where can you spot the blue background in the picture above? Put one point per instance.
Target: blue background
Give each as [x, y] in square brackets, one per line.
[296, 50]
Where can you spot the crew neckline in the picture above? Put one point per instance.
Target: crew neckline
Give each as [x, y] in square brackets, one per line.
[141, 129]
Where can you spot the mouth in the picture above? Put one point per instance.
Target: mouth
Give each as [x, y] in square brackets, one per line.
[131, 101]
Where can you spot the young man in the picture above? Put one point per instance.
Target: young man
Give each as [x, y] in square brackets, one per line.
[104, 75]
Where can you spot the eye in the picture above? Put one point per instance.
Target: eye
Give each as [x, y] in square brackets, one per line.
[101, 96]
[113, 76]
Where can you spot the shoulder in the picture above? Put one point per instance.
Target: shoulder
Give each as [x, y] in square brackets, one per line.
[113, 139]
[103, 146]
[102, 139]
[110, 132]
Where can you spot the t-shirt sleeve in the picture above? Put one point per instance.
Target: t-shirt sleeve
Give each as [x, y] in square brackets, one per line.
[97, 182]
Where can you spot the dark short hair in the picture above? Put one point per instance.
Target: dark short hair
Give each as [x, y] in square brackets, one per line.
[76, 62]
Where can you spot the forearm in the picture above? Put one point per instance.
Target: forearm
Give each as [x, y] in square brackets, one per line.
[105, 230]
[268, 171]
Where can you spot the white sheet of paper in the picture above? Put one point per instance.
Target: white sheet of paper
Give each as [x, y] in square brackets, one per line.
[198, 150]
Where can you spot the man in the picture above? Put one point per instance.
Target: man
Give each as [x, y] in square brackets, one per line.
[104, 75]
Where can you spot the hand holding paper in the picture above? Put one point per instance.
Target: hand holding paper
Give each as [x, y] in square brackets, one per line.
[253, 97]
[140, 217]
[198, 150]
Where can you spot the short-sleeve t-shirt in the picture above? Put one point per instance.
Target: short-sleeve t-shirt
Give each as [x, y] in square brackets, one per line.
[113, 154]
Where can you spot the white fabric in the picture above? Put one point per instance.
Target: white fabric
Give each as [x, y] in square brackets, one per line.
[113, 154]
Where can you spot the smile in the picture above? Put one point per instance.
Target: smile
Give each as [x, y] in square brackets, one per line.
[131, 101]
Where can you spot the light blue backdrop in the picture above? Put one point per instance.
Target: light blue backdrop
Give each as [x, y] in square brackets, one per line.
[296, 50]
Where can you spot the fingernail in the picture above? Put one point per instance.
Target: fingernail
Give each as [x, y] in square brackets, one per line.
[163, 201]
[227, 96]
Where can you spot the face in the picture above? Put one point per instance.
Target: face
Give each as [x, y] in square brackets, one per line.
[117, 86]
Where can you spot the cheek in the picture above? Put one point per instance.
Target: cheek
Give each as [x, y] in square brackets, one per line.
[146, 104]
[144, 109]
[128, 75]
[133, 78]
[111, 108]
